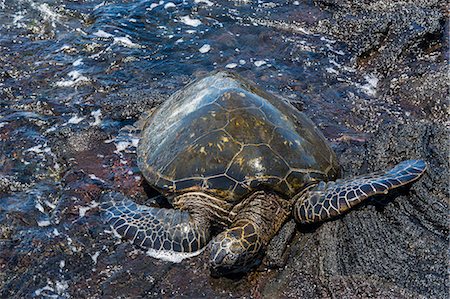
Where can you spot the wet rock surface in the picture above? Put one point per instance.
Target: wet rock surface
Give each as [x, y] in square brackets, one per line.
[373, 76]
[403, 44]
[391, 246]
[381, 32]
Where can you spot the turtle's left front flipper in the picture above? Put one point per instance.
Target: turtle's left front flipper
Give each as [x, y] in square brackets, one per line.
[328, 200]
[156, 229]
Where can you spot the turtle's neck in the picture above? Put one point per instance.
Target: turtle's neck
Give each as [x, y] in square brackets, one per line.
[204, 208]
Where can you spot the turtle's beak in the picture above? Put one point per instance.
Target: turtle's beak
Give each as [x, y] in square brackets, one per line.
[222, 258]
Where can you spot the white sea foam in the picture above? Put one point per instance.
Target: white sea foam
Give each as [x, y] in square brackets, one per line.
[39, 207]
[330, 47]
[49, 204]
[94, 257]
[76, 78]
[80, 31]
[71, 246]
[97, 117]
[61, 287]
[51, 129]
[338, 65]
[125, 41]
[55, 289]
[371, 87]
[207, 2]
[43, 223]
[101, 33]
[63, 48]
[153, 5]
[205, 48]
[47, 13]
[42, 291]
[172, 256]
[78, 62]
[259, 63]
[121, 146]
[331, 70]
[75, 119]
[99, 5]
[169, 5]
[17, 20]
[189, 21]
[331, 41]
[94, 177]
[82, 210]
[38, 149]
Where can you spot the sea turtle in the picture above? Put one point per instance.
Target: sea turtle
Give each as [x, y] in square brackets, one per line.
[238, 161]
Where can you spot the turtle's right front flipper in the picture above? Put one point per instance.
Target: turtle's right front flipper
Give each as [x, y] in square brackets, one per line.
[155, 228]
[328, 200]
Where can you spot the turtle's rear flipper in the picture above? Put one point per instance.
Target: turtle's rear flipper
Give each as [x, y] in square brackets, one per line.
[331, 199]
[153, 228]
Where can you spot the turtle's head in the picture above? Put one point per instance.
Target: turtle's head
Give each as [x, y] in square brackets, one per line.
[235, 250]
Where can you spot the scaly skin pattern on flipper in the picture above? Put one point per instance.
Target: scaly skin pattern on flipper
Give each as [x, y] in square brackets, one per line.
[154, 228]
[328, 200]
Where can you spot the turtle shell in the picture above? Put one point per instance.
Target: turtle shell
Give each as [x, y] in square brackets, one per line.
[223, 136]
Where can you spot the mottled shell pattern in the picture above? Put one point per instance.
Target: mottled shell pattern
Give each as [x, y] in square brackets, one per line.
[223, 136]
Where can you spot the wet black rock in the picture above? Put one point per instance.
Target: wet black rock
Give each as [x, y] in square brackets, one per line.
[277, 251]
[391, 247]
[379, 32]
[130, 104]
[403, 45]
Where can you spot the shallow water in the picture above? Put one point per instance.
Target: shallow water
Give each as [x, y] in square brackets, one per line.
[62, 61]
[68, 68]
[69, 54]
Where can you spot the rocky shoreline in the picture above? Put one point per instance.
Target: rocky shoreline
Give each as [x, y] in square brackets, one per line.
[53, 243]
